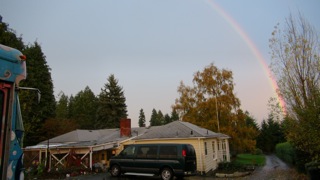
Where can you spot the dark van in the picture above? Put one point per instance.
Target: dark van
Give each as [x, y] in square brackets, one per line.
[166, 160]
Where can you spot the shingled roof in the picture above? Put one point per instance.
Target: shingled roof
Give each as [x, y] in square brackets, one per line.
[83, 138]
[179, 129]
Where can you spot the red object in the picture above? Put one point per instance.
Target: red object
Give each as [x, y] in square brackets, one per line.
[184, 153]
[125, 127]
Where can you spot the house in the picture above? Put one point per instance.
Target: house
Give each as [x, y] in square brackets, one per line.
[86, 147]
[211, 148]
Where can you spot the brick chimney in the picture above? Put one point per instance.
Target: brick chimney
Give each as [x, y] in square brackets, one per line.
[125, 127]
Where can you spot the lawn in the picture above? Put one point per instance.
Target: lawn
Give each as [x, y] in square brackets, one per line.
[250, 159]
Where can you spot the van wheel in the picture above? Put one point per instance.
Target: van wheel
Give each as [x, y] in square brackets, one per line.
[115, 171]
[166, 174]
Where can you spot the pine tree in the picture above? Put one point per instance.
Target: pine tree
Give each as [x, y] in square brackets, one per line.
[8, 37]
[167, 119]
[85, 108]
[174, 115]
[154, 118]
[160, 118]
[112, 105]
[62, 106]
[142, 119]
[34, 114]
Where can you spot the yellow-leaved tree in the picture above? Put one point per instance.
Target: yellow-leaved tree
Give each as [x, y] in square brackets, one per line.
[212, 104]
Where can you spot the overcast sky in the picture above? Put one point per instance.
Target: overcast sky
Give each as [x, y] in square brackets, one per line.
[152, 45]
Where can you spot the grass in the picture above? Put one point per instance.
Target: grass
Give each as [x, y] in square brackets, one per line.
[250, 159]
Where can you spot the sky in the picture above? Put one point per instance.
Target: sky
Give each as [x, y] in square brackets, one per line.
[152, 45]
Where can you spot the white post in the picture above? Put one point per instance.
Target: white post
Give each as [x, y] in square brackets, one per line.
[90, 158]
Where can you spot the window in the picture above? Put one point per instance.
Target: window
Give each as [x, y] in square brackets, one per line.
[205, 148]
[129, 151]
[222, 150]
[214, 149]
[147, 152]
[168, 152]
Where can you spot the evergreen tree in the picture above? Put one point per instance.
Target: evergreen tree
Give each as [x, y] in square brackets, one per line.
[270, 135]
[84, 109]
[160, 118]
[154, 118]
[251, 122]
[34, 114]
[62, 106]
[174, 115]
[71, 107]
[112, 105]
[142, 119]
[8, 37]
[167, 119]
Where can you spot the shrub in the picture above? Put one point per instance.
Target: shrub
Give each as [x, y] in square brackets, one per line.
[285, 151]
[258, 152]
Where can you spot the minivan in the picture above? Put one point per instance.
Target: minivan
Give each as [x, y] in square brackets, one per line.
[166, 160]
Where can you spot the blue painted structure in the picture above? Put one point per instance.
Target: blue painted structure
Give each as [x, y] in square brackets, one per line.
[12, 71]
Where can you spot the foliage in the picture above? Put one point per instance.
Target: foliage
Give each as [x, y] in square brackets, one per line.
[62, 108]
[296, 62]
[241, 163]
[112, 105]
[34, 114]
[142, 119]
[8, 37]
[285, 151]
[313, 170]
[84, 108]
[271, 134]
[212, 104]
[38, 76]
[154, 121]
[55, 127]
[157, 118]
[174, 115]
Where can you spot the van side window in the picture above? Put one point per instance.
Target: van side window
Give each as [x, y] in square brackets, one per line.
[168, 152]
[147, 152]
[129, 151]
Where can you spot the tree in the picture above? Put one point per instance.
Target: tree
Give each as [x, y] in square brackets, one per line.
[62, 108]
[251, 122]
[160, 118]
[167, 119]
[84, 108]
[34, 114]
[212, 104]
[296, 66]
[56, 127]
[8, 37]
[142, 119]
[271, 134]
[154, 118]
[112, 105]
[39, 76]
[174, 115]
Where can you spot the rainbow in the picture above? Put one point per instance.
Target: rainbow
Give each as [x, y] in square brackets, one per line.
[238, 29]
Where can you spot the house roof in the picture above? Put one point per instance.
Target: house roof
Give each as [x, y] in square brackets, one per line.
[179, 129]
[85, 138]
